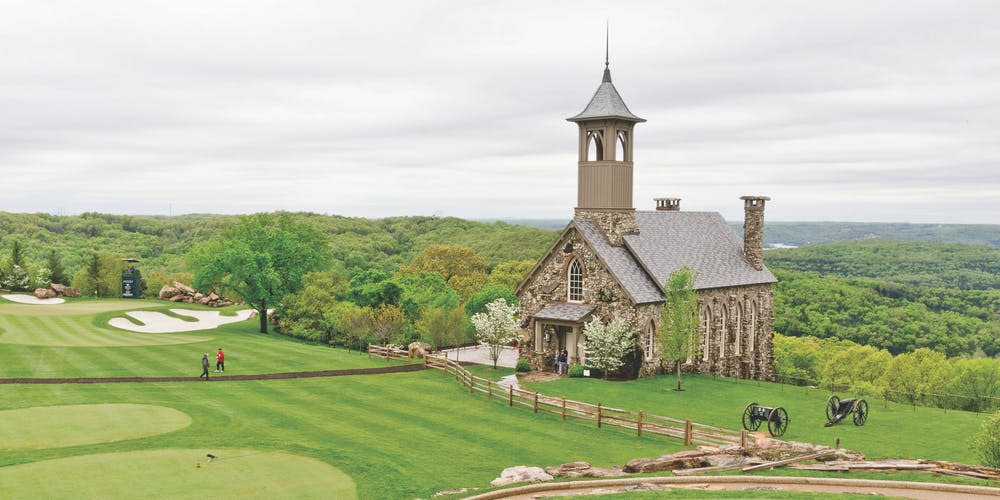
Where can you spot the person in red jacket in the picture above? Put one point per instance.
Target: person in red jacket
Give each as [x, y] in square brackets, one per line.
[220, 361]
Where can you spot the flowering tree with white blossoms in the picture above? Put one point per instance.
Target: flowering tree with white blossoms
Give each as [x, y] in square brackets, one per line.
[496, 327]
[607, 344]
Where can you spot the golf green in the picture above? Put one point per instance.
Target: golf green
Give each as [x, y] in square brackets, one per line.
[178, 473]
[73, 425]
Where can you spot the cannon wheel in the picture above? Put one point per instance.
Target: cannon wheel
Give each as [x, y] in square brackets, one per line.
[750, 423]
[860, 412]
[832, 405]
[777, 421]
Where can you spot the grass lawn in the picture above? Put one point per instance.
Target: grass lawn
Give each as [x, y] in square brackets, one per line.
[39, 341]
[396, 436]
[893, 431]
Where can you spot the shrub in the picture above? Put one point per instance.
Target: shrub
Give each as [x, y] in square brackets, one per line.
[576, 371]
[988, 442]
[522, 366]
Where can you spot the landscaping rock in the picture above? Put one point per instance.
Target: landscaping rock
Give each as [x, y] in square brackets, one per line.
[167, 292]
[45, 293]
[177, 298]
[418, 349]
[63, 290]
[184, 288]
[519, 474]
[584, 469]
[680, 460]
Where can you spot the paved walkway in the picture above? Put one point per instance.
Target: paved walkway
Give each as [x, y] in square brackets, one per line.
[480, 355]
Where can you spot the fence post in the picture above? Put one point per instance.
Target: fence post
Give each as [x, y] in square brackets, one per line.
[535, 407]
[472, 383]
[564, 409]
[369, 351]
[598, 415]
[639, 426]
[489, 389]
[687, 433]
[445, 363]
[510, 400]
[425, 361]
[743, 439]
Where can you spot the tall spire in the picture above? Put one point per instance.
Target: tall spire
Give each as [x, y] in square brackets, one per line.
[607, 44]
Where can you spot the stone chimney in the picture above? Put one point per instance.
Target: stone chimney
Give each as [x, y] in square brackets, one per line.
[668, 204]
[753, 230]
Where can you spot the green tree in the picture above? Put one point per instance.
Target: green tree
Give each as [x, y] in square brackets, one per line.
[915, 374]
[57, 273]
[387, 321]
[302, 311]
[478, 300]
[988, 442]
[424, 291]
[373, 287]
[262, 259]
[607, 344]
[100, 276]
[510, 273]
[854, 367]
[679, 320]
[355, 322]
[496, 327]
[440, 325]
[461, 267]
[17, 254]
[976, 382]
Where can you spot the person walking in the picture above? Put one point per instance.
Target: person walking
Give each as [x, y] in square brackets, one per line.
[204, 366]
[220, 361]
[563, 362]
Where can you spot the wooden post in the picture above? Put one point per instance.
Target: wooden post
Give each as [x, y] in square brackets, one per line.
[639, 424]
[598, 415]
[472, 383]
[743, 439]
[369, 351]
[687, 433]
[535, 408]
[489, 390]
[564, 409]
[510, 400]
[425, 361]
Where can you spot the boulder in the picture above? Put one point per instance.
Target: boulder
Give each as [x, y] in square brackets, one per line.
[167, 292]
[184, 288]
[198, 296]
[520, 474]
[212, 297]
[45, 293]
[681, 460]
[203, 301]
[177, 298]
[70, 292]
[418, 349]
[584, 469]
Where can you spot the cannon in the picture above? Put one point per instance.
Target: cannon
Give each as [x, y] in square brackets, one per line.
[837, 409]
[776, 418]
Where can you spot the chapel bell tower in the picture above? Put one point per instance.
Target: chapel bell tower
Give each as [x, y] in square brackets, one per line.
[604, 172]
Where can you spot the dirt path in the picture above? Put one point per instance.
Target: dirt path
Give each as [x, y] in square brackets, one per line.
[217, 378]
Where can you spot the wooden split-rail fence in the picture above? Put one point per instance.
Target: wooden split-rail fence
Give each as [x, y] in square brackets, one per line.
[640, 422]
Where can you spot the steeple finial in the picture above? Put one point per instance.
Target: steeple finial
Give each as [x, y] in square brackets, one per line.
[607, 44]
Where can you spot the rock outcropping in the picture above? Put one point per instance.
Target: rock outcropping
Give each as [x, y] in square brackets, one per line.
[183, 293]
[56, 290]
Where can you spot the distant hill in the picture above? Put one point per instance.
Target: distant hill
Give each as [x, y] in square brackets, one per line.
[810, 233]
[798, 234]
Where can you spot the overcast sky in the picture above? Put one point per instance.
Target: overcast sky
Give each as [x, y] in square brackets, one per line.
[840, 110]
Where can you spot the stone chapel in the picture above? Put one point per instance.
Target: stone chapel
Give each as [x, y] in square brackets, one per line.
[614, 261]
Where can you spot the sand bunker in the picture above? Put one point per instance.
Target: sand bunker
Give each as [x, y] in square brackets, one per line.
[157, 322]
[31, 299]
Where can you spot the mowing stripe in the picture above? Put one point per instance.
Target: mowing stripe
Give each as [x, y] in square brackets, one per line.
[219, 378]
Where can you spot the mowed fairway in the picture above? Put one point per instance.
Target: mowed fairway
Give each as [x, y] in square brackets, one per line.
[891, 431]
[74, 425]
[75, 340]
[396, 435]
[174, 473]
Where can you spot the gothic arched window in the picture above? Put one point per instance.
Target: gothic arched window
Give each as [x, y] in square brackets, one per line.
[650, 339]
[706, 326]
[753, 326]
[738, 329]
[575, 280]
[621, 149]
[723, 337]
[595, 145]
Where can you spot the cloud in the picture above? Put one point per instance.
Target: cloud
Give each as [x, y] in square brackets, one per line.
[838, 111]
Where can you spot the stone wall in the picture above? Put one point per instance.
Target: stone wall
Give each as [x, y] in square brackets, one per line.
[614, 223]
[549, 284]
[748, 352]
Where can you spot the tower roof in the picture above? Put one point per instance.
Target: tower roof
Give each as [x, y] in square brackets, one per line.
[606, 103]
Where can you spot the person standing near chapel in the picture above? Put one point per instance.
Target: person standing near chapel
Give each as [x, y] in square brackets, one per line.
[563, 362]
[220, 361]
[204, 366]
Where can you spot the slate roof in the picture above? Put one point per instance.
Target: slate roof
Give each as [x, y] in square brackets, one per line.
[621, 263]
[668, 241]
[564, 311]
[700, 240]
[606, 103]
